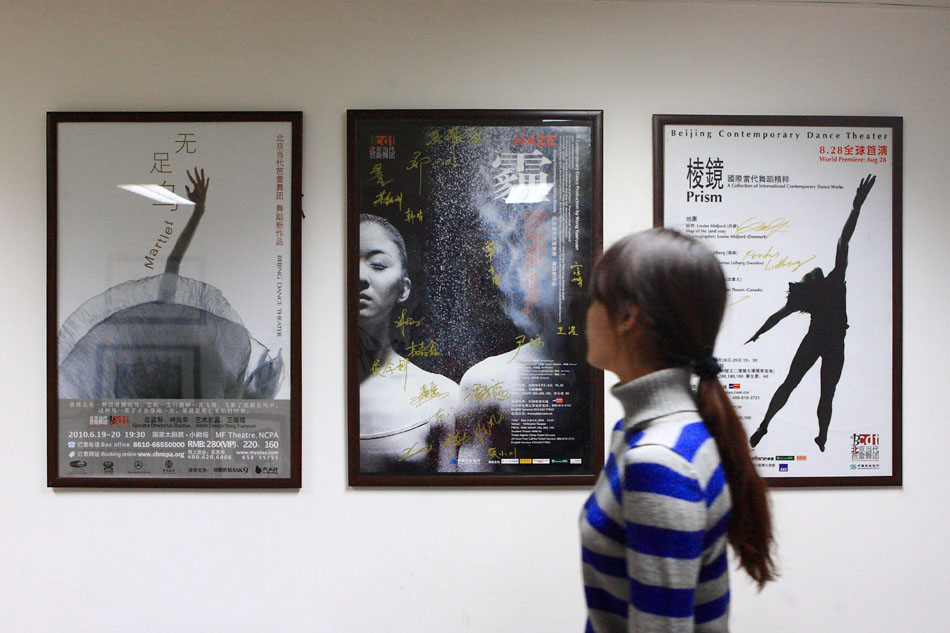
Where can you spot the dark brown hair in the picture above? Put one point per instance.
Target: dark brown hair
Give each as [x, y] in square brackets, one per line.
[679, 288]
[393, 234]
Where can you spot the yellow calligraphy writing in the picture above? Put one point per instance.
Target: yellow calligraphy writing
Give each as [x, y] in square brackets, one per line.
[774, 260]
[457, 440]
[484, 428]
[376, 175]
[417, 161]
[494, 453]
[422, 349]
[405, 321]
[387, 198]
[392, 368]
[481, 392]
[453, 137]
[754, 225]
[427, 393]
[409, 453]
[576, 277]
[535, 343]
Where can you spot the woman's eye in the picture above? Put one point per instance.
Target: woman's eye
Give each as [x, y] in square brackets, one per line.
[377, 266]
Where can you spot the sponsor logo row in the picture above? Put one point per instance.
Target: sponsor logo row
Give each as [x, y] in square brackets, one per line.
[108, 468]
[538, 460]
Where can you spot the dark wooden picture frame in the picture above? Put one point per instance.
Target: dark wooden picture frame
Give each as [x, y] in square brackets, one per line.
[183, 378]
[472, 212]
[770, 195]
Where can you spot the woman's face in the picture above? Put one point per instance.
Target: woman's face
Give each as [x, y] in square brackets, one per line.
[383, 282]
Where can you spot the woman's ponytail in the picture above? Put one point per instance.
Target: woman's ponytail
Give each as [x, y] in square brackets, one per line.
[750, 524]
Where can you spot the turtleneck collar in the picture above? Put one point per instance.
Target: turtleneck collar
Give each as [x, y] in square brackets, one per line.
[654, 395]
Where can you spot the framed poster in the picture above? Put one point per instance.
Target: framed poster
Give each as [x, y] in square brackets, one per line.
[805, 215]
[470, 236]
[173, 299]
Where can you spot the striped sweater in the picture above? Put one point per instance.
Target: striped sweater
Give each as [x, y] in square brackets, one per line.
[653, 532]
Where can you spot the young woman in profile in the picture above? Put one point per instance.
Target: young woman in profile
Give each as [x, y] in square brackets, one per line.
[679, 482]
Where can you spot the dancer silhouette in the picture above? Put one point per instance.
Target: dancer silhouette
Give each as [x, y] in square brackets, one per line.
[824, 299]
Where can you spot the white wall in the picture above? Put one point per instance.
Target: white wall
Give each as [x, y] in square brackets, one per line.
[337, 560]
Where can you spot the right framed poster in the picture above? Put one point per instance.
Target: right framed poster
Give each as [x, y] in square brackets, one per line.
[804, 212]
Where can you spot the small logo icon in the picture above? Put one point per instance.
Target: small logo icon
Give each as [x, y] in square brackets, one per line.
[783, 468]
[72, 454]
[733, 385]
[865, 447]
[108, 466]
[138, 465]
[71, 444]
[78, 464]
[258, 470]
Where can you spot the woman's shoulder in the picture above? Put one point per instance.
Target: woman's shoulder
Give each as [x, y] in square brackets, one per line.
[674, 449]
[419, 376]
[486, 369]
[660, 454]
[661, 472]
[680, 431]
[671, 439]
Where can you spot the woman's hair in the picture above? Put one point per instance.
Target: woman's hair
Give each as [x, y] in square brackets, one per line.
[679, 288]
[393, 234]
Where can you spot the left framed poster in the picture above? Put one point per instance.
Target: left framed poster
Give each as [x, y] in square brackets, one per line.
[173, 314]
[470, 236]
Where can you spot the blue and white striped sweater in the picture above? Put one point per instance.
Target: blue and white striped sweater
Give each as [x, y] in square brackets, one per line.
[653, 531]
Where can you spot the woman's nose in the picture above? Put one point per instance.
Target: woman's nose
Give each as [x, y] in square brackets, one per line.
[364, 276]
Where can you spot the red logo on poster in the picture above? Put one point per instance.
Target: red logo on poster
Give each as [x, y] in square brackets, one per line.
[545, 140]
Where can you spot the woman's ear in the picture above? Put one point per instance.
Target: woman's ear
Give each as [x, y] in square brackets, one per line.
[629, 320]
[404, 291]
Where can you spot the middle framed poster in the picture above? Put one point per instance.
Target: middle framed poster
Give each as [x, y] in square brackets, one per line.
[470, 234]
